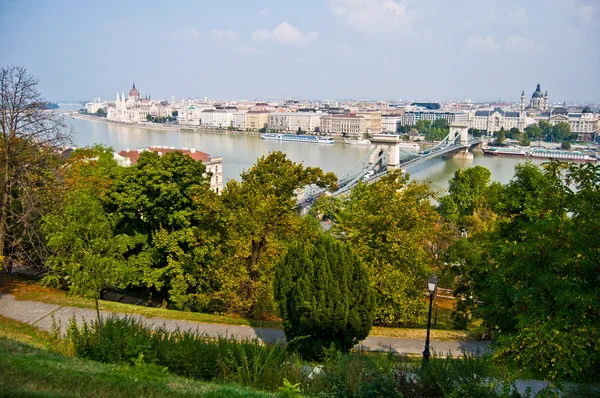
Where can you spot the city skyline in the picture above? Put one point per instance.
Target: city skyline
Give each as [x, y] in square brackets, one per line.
[333, 49]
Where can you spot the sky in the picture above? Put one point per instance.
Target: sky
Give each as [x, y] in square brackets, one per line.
[430, 50]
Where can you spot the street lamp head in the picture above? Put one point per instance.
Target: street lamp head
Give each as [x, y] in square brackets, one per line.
[432, 284]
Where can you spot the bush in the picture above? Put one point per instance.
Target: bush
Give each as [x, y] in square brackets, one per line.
[324, 297]
[186, 353]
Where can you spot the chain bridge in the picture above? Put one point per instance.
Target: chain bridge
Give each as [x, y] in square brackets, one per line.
[387, 154]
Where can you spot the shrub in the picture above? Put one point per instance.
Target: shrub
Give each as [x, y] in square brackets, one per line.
[324, 296]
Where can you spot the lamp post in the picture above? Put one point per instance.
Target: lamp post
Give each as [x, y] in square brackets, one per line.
[431, 285]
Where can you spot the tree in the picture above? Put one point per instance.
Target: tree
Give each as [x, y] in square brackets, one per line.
[532, 277]
[300, 131]
[561, 131]
[423, 126]
[324, 297]
[500, 137]
[87, 254]
[565, 145]
[166, 204]
[149, 117]
[440, 124]
[326, 208]
[534, 132]
[524, 139]
[392, 226]
[436, 134]
[100, 112]
[513, 133]
[260, 218]
[546, 129]
[28, 164]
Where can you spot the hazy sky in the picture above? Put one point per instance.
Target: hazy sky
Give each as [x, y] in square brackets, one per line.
[315, 49]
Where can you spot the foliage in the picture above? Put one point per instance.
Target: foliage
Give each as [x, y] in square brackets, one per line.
[500, 136]
[532, 275]
[324, 297]
[86, 252]
[524, 139]
[561, 131]
[534, 131]
[423, 126]
[29, 181]
[290, 390]
[100, 112]
[392, 226]
[436, 134]
[513, 133]
[259, 219]
[326, 208]
[565, 145]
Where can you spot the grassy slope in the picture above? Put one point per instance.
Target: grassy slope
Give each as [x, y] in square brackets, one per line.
[24, 289]
[28, 370]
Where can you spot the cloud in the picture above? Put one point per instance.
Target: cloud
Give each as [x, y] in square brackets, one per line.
[482, 43]
[246, 50]
[227, 34]
[345, 51]
[517, 16]
[185, 34]
[373, 16]
[517, 44]
[586, 14]
[263, 12]
[285, 33]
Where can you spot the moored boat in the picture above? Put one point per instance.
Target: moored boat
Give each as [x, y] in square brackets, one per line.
[508, 151]
[562, 155]
[297, 138]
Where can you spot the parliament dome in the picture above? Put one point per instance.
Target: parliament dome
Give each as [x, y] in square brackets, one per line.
[134, 92]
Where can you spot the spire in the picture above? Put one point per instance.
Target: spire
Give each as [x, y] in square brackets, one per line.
[523, 93]
[133, 84]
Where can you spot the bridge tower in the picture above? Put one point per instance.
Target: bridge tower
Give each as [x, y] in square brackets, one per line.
[462, 130]
[383, 142]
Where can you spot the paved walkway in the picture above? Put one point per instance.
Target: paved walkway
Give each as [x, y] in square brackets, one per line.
[41, 314]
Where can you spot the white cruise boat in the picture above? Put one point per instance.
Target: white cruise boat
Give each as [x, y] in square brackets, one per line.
[562, 155]
[297, 138]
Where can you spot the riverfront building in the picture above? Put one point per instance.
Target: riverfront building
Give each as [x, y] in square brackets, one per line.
[256, 120]
[214, 164]
[292, 121]
[346, 123]
[136, 109]
[585, 123]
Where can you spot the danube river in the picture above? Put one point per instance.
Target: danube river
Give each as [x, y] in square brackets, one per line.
[239, 152]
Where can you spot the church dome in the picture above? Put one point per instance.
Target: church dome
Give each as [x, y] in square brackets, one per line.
[587, 110]
[537, 93]
[133, 92]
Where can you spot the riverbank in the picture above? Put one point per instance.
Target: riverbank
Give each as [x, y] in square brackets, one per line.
[163, 127]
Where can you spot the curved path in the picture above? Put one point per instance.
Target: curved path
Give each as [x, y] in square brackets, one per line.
[41, 315]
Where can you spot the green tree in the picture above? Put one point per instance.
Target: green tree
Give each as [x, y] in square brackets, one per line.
[524, 139]
[500, 137]
[29, 166]
[534, 132]
[565, 145]
[87, 254]
[440, 124]
[561, 131]
[260, 219]
[100, 112]
[149, 117]
[300, 131]
[392, 226]
[546, 128]
[436, 134]
[324, 297]
[165, 203]
[514, 133]
[534, 278]
[423, 126]
[326, 208]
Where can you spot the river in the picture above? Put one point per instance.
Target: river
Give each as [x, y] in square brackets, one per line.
[239, 152]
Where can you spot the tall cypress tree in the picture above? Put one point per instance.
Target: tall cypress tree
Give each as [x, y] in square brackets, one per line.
[324, 297]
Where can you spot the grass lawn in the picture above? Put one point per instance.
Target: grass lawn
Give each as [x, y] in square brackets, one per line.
[30, 370]
[26, 289]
